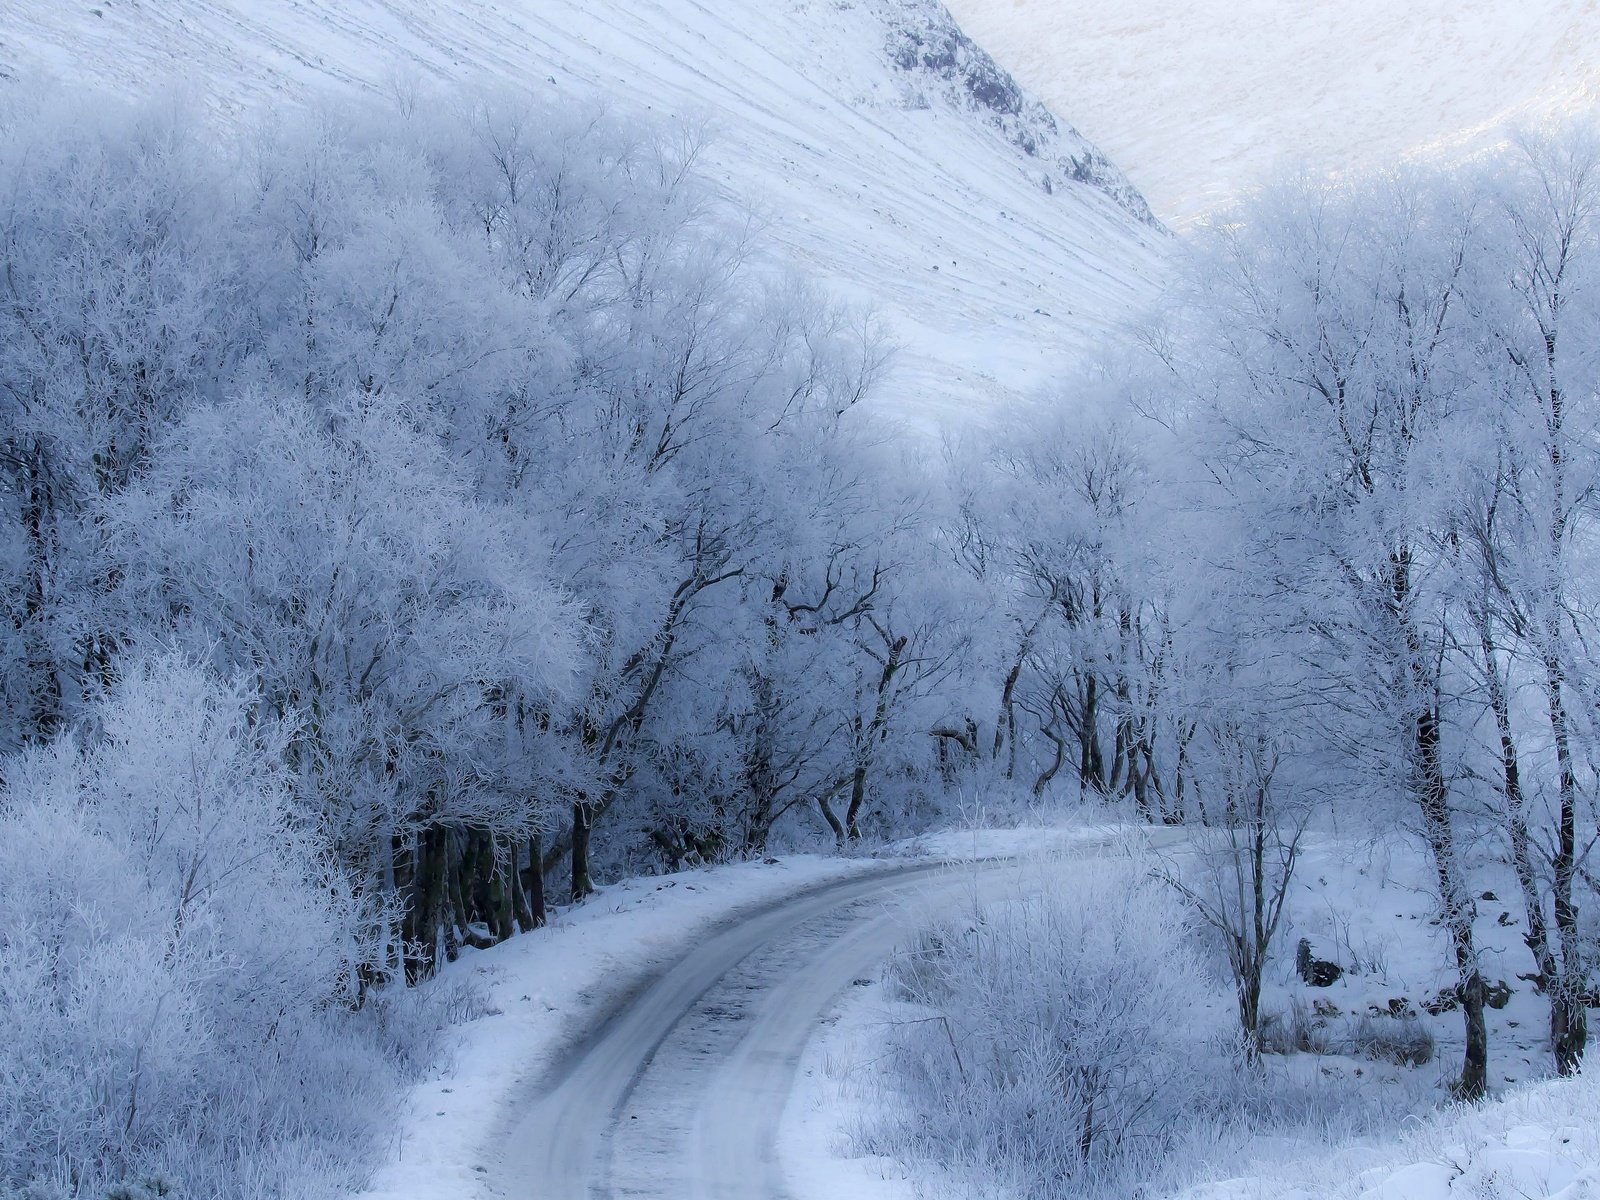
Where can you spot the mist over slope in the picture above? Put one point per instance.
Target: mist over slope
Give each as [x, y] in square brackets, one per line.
[883, 150]
[1197, 99]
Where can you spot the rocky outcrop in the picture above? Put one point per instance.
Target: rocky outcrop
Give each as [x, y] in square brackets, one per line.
[926, 43]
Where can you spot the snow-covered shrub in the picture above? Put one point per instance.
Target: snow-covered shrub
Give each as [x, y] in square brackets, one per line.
[1050, 1039]
[1296, 1030]
[1405, 1041]
[177, 960]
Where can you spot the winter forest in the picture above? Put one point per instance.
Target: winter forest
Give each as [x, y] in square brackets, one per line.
[424, 518]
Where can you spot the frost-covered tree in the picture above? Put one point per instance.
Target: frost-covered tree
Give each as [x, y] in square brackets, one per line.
[343, 561]
[120, 296]
[179, 956]
[1334, 373]
[1530, 565]
[1048, 1035]
[413, 414]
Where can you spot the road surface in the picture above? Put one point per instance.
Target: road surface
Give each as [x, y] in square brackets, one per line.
[680, 1092]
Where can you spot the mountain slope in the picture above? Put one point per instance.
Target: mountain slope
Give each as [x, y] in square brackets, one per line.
[886, 152]
[1197, 99]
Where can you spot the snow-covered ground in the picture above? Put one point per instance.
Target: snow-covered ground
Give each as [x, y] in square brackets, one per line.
[1540, 1142]
[832, 1104]
[1365, 906]
[896, 185]
[1361, 903]
[1197, 98]
[1370, 907]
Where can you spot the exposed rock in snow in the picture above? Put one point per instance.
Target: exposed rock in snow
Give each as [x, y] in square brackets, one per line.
[924, 37]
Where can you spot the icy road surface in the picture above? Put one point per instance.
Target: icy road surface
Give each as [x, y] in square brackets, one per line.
[680, 1093]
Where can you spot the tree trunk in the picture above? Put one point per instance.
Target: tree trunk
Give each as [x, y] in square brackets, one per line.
[966, 738]
[1139, 773]
[1254, 958]
[45, 691]
[1433, 797]
[1005, 719]
[533, 885]
[1569, 1026]
[1176, 812]
[582, 884]
[465, 851]
[867, 739]
[1091, 763]
[1522, 850]
[502, 876]
[516, 885]
[825, 803]
[757, 829]
[858, 796]
[1087, 1130]
[435, 934]
[1005, 722]
[471, 893]
[1051, 771]
[405, 890]
[1249, 994]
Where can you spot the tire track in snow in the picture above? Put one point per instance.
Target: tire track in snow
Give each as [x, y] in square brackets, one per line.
[680, 1093]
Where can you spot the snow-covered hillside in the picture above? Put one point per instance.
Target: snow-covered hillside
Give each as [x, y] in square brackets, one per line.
[886, 152]
[1197, 98]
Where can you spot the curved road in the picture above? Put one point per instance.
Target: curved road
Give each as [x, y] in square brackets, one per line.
[679, 1094]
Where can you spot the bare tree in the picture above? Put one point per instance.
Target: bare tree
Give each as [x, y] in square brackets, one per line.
[1244, 858]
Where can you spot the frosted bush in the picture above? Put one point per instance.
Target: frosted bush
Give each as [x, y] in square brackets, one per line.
[177, 962]
[1050, 1040]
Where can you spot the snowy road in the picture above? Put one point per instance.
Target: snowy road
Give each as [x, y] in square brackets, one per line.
[680, 1093]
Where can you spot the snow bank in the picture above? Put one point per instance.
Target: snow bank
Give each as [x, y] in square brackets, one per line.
[1539, 1143]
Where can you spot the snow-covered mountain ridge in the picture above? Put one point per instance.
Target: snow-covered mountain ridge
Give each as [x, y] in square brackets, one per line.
[886, 153]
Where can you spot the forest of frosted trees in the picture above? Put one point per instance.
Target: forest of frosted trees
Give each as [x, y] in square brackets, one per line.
[416, 514]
